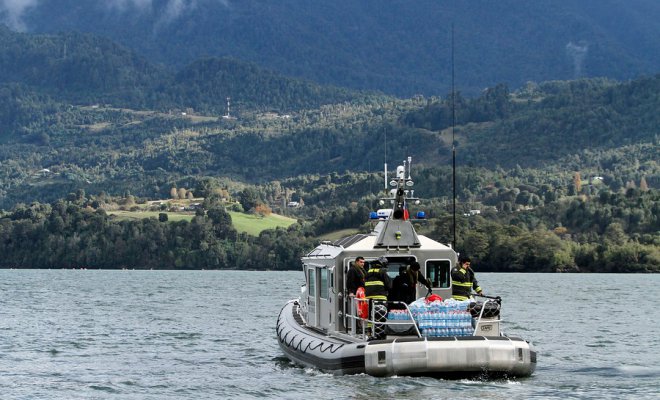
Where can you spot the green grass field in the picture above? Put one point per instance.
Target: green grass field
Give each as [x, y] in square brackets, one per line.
[254, 224]
[248, 223]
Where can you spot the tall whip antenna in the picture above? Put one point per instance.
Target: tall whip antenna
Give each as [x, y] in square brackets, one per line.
[453, 141]
[385, 131]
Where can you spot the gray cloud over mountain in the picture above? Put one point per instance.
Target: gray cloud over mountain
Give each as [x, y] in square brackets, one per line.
[12, 12]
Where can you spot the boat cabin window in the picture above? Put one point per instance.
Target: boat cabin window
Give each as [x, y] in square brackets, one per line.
[439, 272]
[323, 284]
[395, 263]
[311, 281]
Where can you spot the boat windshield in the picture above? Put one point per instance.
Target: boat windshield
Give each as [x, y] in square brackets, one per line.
[439, 272]
[396, 263]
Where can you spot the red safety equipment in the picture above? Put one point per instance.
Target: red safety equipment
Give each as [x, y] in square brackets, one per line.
[433, 298]
[362, 306]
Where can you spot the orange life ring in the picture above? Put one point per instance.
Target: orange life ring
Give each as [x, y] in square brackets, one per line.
[362, 306]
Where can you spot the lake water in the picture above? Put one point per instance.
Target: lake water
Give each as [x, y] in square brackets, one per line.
[74, 334]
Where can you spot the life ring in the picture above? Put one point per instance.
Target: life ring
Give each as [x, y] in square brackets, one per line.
[362, 306]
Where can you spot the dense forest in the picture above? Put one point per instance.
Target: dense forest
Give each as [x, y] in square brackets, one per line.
[403, 48]
[552, 176]
[84, 69]
[608, 233]
[74, 235]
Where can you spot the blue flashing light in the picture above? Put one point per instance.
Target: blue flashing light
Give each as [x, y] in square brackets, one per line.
[373, 215]
[421, 215]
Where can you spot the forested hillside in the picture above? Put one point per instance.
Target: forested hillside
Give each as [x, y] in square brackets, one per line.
[401, 48]
[77, 68]
[85, 69]
[555, 176]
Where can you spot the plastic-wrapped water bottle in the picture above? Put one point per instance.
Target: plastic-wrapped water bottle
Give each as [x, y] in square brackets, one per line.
[426, 319]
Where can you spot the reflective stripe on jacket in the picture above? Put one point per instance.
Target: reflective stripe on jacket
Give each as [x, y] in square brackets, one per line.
[462, 283]
[377, 283]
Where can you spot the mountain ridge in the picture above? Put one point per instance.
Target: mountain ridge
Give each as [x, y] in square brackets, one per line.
[398, 48]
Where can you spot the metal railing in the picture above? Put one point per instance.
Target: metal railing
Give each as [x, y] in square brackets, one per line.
[370, 323]
[364, 327]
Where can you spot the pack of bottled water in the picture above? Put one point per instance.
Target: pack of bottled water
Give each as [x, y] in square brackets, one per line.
[442, 318]
[398, 315]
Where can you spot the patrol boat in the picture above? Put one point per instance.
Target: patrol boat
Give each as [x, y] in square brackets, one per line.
[326, 329]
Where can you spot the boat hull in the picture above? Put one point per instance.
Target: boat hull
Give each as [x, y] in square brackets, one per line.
[315, 349]
[442, 356]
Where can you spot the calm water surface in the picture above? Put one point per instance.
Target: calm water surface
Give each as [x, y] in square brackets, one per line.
[73, 334]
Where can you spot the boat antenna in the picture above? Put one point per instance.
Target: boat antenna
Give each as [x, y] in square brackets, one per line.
[453, 141]
[409, 167]
[385, 132]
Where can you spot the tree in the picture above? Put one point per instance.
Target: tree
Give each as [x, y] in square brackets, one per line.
[249, 198]
[614, 234]
[577, 183]
[263, 210]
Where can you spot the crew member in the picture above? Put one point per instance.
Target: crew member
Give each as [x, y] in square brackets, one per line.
[414, 277]
[463, 280]
[377, 285]
[399, 290]
[355, 276]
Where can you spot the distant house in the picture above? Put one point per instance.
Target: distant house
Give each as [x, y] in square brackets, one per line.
[293, 204]
[43, 172]
[193, 206]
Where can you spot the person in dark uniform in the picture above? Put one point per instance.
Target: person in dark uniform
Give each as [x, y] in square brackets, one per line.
[355, 276]
[399, 290]
[463, 280]
[354, 280]
[377, 285]
[414, 277]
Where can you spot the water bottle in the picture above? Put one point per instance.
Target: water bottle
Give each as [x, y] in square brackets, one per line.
[425, 320]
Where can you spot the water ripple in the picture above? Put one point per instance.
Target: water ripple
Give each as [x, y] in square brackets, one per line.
[206, 335]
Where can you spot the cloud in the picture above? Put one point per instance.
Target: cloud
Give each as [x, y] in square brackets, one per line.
[124, 5]
[173, 8]
[11, 12]
[176, 7]
[577, 52]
